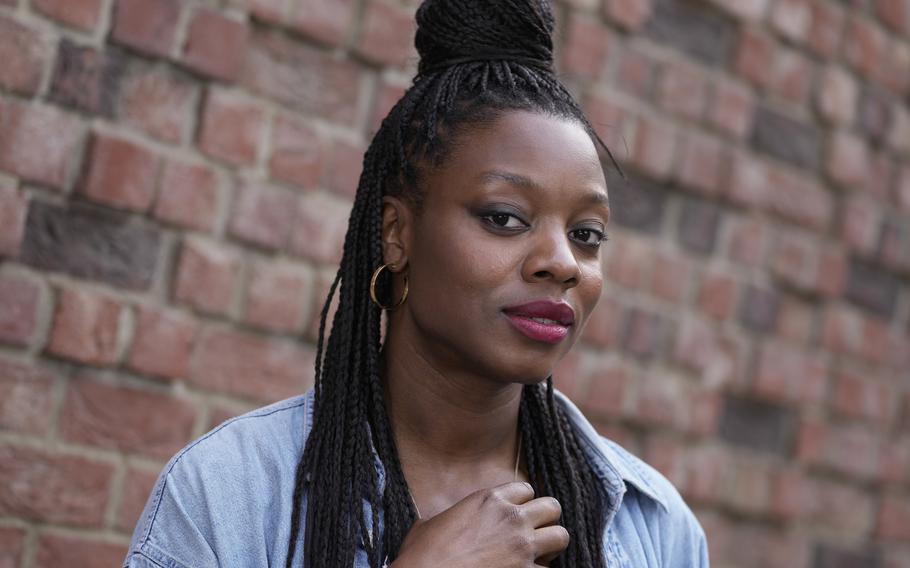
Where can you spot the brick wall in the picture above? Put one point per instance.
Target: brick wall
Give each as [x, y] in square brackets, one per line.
[174, 183]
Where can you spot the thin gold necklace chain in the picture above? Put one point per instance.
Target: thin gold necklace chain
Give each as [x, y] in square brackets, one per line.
[514, 476]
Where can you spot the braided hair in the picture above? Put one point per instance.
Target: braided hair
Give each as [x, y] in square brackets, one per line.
[479, 59]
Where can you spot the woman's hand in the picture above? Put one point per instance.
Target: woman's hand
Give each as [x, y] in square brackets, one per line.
[503, 526]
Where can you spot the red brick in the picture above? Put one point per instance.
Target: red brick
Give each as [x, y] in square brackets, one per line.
[324, 279]
[748, 241]
[614, 122]
[387, 36]
[791, 77]
[82, 14]
[749, 184]
[60, 489]
[717, 295]
[586, 47]
[794, 321]
[748, 486]
[298, 153]
[345, 165]
[899, 136]
[654, 147]
[270, 11]
[388, 94]
[250, 366]
[847, 160]
[121, 173]
[828, 504]
[699, 347]
[39, 143]
[216, 45]
[163, 343]
[25, 55]
[86, 327]
[731, 108]
[655, 401]
[700, 162]
[327, 21]
[826, 27]
[208, 276]
[568, 377]
[147, 25]
[20, 299]
[864, 46]
[755, 56]
[642, 333]
[671, 277]
[77, 552]
[630, 15]
[635, 71]
[849, 450]
[842, 330]
[865, 398]
[894, 518]
[263, 215]
[26, 398]
[602, 329]
[792, 19]
[861, 224]
[800, 199]
[878, 341]
[137, 487]
[607, 386]
[159, 102]
[903, 189]
[895, 14]
[836, 96]
[13, 210]
[832, 272]
[318, 234]
[231, 128]
[787, 374]
[796, 260]
[12, 545]
[683, 90]
[896, 68]
[125, 419]
[631, 264]
[279, 297]
[303, 77]
[746, 10]
[188, 196]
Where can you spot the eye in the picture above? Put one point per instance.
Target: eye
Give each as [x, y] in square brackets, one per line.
[588, 237]
[506, 221]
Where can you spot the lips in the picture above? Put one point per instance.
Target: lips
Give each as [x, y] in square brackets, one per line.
[542, 320]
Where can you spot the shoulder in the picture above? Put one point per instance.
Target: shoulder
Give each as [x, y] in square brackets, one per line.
[242, 469]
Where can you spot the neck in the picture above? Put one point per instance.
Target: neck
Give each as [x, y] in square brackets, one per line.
[444, 416]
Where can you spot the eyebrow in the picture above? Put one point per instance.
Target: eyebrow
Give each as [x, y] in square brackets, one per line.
[518, 180]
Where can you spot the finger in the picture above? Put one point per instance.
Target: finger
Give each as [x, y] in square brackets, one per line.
[550, 541]
[515, 492]
[542, 511]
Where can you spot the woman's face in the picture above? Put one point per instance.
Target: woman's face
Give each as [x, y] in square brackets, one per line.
[503, 260]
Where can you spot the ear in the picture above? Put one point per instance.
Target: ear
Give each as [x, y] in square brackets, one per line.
[397, 227]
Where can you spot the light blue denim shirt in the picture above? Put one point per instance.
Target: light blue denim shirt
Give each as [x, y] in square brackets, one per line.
[226, 499]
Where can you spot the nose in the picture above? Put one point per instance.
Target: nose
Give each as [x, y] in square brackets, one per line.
[550, 257]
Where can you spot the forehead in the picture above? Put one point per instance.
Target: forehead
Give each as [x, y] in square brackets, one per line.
[554, 152]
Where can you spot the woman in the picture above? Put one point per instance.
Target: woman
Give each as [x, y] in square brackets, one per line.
[476, 229]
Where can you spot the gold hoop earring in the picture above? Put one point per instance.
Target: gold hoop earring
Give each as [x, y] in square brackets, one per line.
[373, 297]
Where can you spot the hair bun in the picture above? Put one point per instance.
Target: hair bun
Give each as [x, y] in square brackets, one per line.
[450, 30]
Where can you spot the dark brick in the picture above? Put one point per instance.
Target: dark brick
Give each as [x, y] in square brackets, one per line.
[786, 139]
[872, 288]
[90, 243]
[86, 79]
[874, 113]
[693, 28]
[698, 225]
[758, 425]
[636, 203]
[829, 556]
[642, 333]
[759, 308]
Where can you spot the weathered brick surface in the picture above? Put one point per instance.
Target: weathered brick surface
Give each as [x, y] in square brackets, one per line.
[176, 180]
[90, 243]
